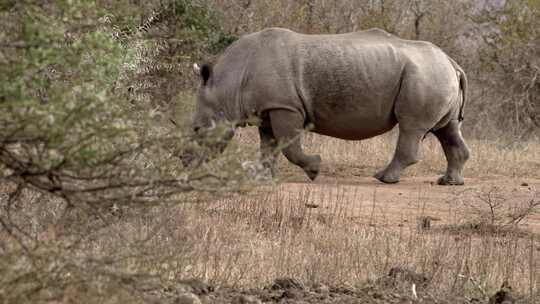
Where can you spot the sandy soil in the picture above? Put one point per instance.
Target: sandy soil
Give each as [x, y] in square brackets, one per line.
[404, 204]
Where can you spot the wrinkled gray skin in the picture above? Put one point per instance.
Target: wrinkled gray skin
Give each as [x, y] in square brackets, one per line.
[351, 86]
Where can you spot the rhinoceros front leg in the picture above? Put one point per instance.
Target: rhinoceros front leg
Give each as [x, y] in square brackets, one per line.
[456, 153]
[287, 126]
[405, 155]
[268, 148]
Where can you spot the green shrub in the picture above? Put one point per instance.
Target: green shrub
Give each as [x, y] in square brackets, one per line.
[73, 136]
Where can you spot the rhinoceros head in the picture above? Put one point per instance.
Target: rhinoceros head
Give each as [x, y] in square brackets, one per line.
[208, 110]
[209, 123]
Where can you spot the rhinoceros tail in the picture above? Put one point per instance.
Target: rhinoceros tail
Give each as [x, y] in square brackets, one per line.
[463, 84]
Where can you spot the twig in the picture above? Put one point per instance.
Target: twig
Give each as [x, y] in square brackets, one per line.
[414, 291]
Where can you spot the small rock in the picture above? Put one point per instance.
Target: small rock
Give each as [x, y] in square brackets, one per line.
[424, 222]
[187, 298]
[244, 299]
[287, 283]
[312, 206]
[377, 295]
[343, 290]
[292, 293]
[321, 288]
[503, 296]
[197, 286]
[524, 184]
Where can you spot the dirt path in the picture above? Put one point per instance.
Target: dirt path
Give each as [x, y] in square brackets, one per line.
[366, 200]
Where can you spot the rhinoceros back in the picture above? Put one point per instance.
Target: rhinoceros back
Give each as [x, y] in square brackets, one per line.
[345, 85]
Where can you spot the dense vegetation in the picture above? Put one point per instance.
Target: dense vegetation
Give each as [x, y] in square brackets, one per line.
[95, 95]
[85, 92]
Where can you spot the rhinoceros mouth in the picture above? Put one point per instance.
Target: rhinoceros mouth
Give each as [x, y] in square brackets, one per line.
[206, 144]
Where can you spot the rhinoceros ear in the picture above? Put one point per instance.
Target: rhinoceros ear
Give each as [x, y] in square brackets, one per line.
[205, 72]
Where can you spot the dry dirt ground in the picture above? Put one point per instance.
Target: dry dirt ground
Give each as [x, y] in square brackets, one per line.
[417, 198]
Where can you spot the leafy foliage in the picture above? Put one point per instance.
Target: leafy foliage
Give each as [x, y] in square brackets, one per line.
[78, 128]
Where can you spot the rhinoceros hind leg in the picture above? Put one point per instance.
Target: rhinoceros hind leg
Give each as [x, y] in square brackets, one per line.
[286, 126]
[456, 152]
[406, 154]
[268, 149]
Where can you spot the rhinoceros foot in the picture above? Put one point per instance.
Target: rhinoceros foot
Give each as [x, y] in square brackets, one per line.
[386, 177]
[313, 166]
[450, 181]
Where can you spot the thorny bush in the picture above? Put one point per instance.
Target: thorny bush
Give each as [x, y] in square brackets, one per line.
[73, 142]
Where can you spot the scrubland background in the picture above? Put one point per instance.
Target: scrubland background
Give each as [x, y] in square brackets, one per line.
[96, 206]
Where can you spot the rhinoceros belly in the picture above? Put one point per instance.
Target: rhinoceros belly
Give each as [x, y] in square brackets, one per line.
[350, 88]
[353, 123]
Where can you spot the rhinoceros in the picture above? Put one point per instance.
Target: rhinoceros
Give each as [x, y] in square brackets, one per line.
[351, 86]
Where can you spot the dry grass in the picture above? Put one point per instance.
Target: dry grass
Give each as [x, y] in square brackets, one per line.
[337, 233]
